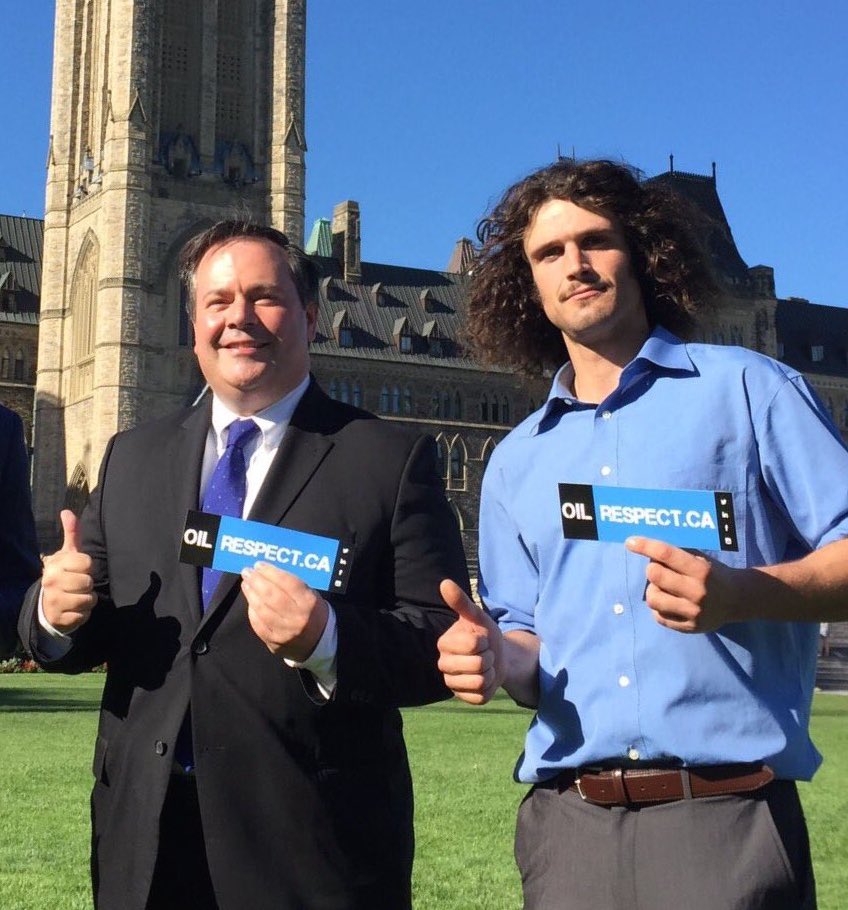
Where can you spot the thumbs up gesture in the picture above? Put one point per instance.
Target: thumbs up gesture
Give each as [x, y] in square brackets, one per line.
[67, 585]
[471, 652]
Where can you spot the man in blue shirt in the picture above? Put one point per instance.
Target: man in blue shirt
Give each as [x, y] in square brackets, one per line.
[657, 546]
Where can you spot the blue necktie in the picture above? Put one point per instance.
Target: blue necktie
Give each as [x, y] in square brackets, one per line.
[226, 490]
[225, 495]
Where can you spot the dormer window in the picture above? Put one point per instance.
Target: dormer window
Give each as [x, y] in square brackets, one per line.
[402, 334]
[343, 329]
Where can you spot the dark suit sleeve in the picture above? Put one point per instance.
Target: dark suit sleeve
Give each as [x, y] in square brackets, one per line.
[91, 641]
[19, 562]
[388, 656]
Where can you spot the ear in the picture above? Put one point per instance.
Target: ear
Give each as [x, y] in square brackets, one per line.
[311, 321]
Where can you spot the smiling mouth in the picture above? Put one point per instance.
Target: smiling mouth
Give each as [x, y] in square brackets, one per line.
[243, 347]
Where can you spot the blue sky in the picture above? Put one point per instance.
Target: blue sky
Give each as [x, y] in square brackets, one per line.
[424, 112]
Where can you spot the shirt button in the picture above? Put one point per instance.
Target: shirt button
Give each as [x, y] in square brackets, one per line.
[606, 415]
[606, 470]
[618, 609]
[633, 754]
[160, 747]
[624, 681]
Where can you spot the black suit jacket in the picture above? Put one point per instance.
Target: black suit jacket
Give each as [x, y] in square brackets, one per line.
[19, 562]
[305, 803]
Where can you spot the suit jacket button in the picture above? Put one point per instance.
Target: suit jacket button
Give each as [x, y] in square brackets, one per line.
[201, 647]
[160, 747]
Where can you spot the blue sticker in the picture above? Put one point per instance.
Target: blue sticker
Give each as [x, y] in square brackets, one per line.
[230, 544]
[694, 519]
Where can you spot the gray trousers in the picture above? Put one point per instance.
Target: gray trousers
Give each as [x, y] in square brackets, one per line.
[745, 852]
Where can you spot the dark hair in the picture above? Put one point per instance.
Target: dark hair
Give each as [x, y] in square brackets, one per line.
[303, 270]
[506, 322]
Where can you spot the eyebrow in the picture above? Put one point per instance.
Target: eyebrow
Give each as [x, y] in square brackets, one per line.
[255, 291]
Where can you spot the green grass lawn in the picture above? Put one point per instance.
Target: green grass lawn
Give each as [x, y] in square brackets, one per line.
[462, 761]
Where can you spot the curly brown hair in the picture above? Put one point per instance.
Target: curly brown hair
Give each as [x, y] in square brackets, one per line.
[506, 322]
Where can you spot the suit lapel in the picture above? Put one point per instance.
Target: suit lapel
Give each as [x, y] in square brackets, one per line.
[186, 462]
[304, 446]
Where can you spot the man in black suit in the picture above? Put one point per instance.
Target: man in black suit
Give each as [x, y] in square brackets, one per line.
[289, 785]
[19, 563]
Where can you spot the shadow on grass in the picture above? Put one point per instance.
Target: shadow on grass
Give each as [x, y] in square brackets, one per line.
[45, 700]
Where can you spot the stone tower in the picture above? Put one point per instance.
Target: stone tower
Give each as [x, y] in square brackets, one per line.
[167, 115]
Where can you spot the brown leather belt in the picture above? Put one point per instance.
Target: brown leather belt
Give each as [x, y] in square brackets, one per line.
[649, 786]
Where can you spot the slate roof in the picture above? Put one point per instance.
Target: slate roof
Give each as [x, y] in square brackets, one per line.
[702, 192]
[431, 303]
[20, 258]
[801, 325]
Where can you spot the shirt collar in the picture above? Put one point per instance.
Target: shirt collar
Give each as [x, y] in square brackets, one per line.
[661, 350]
[272, 421]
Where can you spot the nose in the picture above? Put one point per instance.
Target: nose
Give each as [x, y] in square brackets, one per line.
[576, 261]
[241, 311]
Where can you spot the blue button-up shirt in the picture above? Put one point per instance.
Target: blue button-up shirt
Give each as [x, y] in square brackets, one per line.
[615, 686]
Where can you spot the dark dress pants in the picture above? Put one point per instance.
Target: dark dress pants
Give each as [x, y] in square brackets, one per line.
[181, 878]
[739, 852]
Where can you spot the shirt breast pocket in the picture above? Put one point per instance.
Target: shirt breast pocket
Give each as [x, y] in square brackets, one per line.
[728, 483]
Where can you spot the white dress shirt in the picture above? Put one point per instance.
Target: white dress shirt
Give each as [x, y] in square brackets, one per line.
[259, 452]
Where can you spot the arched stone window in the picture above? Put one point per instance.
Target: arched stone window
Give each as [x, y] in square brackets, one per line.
[436, 405]
[84, 316]
[505, 410]
[457, 406]
[458, 465]
[395, 400]
[5, 365]
[357, 394]
[407, 401]
[18, 374]
[76, 494]
[446, 405]
[495, 410]
[345, 392]
[442, 456]
[333, 389]
[484, 409]
[488, 448]
[384, 400]
[180, 99]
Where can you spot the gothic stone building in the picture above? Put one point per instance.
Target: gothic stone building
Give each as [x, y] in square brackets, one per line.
[168, 115]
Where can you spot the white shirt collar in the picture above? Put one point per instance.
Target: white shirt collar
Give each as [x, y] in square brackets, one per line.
[272, 421]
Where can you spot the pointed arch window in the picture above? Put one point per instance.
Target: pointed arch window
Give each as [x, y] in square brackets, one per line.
[484, 409]
[19, 366]
[357, 394]
[395, 400]
[456, 475]
[442, 457]
[505, 410]
[384, 400]
[407, 401]
[5, 365]
[344, 393]
[333, 389]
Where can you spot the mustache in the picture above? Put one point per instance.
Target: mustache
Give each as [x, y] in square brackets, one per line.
[580, 288]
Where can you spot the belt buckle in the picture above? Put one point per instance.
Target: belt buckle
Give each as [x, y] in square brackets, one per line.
[578, 785]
